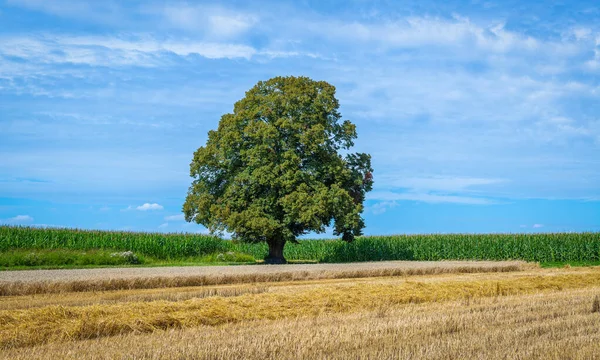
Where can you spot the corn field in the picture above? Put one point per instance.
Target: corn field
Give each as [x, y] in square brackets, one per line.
[546, 247]
[158, 245]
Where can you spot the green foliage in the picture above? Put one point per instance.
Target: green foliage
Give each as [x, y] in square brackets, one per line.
[273, 170]
[560, 264]
[546, 248]
[62, 257]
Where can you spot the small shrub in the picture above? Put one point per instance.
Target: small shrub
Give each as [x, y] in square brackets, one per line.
[128, 256]
[229, 257]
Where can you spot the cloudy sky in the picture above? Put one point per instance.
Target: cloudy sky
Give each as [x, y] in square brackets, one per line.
[480, 116]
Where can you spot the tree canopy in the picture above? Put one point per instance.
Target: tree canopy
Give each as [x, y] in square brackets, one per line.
[279, 167]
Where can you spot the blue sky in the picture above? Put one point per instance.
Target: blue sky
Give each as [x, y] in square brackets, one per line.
[480, 116]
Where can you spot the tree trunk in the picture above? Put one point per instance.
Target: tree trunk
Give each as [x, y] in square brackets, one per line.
[275, 252]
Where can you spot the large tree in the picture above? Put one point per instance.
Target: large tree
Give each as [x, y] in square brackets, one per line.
[279, 167]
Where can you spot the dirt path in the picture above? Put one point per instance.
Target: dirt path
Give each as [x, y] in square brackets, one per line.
[30, 276]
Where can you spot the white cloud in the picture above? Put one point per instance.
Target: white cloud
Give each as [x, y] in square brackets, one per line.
[98, 11]
[144, 207]
[228, 26]
[215, 21]
[140, 50]
[396, 187]
[148, 45]
[179, 217]
[382, 207]
[581, 33]
[534, 226]
[451, 97]
[426, 31]
[105, 51]
[164, 225]
[428, 198]
[19, 219]
[148, 206]
[433, 183]
[594, 64]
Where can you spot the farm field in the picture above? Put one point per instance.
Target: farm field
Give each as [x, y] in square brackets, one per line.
[23, 247]
[527, 312]
[56, 281]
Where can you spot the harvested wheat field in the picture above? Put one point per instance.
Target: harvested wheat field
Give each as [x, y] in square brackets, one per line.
[524, 313]
[45, 281]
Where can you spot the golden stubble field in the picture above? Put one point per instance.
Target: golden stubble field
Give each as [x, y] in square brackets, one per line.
[525, 313]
